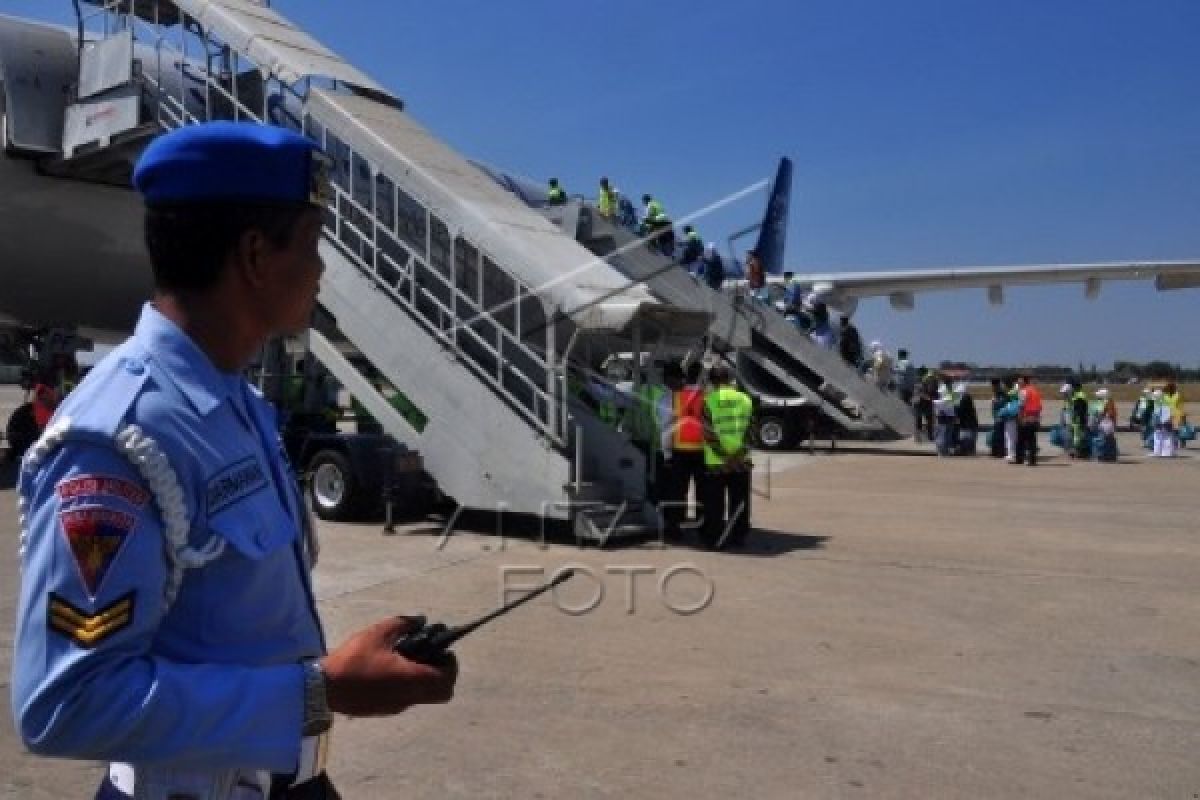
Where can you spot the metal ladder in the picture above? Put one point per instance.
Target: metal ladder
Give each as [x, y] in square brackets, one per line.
[809, 371]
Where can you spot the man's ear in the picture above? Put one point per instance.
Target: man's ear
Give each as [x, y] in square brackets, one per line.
[250, 257]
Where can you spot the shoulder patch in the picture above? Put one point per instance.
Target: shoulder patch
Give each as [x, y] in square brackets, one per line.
[238, 480]
[89, 630]
[95, 535]
[103, 486]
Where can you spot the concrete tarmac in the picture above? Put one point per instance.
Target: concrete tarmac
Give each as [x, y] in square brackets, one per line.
[900, 626]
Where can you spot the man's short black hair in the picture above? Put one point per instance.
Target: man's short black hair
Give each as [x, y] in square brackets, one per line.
[188, 244]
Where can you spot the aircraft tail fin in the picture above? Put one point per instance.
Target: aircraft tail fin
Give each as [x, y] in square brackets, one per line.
[772, 236]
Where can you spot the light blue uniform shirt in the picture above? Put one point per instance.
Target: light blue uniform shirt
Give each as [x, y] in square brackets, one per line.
[135, 648]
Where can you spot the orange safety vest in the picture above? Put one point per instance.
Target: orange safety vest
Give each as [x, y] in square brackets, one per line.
[689, 423]
[1033, 402]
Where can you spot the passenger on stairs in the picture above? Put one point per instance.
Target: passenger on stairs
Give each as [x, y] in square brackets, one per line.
[850, 342]
[713, 268]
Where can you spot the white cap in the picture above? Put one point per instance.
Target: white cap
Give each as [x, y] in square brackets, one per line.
[876, 345]
[1146, 390]
[1157, 394]
[1065, 389]
[1102, 392]
[960, 387]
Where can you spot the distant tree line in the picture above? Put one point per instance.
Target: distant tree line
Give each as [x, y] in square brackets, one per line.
[1120, 372]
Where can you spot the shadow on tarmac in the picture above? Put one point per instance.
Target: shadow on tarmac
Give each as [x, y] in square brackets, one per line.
[762, 543]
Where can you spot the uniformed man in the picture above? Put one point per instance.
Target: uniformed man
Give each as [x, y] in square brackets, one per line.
[167, 622]
[555, 196]
[726, 484]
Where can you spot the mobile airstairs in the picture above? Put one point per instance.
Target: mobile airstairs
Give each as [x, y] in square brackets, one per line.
[471, 304]
[779, 365]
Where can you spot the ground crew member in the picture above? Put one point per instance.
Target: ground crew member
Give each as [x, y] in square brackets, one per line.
[1080, 442]
[727, 464]
[1029, 419]
[166, 619]
[693, 247]
[685, 468]
[555, 196]
[606, 200]
[649, 410]
[655, 219]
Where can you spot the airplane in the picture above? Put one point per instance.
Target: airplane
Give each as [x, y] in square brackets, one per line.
[71, 254]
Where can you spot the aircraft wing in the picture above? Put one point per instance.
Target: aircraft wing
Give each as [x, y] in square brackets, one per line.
[900, 286]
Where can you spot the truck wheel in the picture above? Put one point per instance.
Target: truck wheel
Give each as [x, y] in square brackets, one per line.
[332, 486]
[771, 433]
[22, 431]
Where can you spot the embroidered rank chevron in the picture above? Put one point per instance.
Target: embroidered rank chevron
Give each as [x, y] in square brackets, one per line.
[89, 630]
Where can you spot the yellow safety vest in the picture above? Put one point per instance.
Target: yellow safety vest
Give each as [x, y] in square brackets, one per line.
[643, 416]
[607, 203]
[729, 412]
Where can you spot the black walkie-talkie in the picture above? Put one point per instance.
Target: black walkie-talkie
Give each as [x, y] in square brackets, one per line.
[427, 644]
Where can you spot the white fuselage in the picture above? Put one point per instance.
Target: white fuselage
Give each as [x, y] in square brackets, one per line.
[71, 253]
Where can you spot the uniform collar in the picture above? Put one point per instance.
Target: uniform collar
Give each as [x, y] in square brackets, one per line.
[188, 367]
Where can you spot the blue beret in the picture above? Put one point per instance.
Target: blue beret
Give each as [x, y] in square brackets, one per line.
[232, 161]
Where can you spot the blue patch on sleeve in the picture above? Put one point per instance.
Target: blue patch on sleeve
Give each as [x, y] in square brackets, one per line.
[238, 480]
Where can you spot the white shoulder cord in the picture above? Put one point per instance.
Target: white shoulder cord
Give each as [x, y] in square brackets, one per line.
[46, 444]
[148, 457]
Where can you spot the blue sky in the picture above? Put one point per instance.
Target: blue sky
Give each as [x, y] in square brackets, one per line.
[924, 133]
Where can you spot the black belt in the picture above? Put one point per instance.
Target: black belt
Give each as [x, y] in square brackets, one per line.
[318, 788]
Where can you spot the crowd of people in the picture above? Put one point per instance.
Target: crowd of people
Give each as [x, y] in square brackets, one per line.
[1086, 427]
[693, 427]
[700, 259]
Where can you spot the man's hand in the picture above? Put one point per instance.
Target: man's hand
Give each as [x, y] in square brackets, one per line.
[365, 677]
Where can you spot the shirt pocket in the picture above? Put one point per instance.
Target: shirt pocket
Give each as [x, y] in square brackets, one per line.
[257, 523]
[252, 599]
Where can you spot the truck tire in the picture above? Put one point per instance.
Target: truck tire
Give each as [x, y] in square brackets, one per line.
[333, 487]
[772, 432]
[21, 432]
